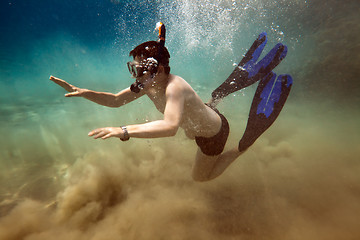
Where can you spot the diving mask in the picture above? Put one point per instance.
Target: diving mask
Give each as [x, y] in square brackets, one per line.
[139, 69]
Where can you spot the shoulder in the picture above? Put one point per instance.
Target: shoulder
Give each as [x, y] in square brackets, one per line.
[177, 82]
[176, 85]
[175, 79]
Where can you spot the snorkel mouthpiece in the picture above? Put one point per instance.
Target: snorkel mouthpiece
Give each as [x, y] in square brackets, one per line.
[136, 87]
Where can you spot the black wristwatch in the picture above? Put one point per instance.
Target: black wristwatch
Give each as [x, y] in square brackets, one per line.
[126, 134]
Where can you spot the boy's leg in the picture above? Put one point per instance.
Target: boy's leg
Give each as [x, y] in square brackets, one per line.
[203, 166]
[209, 167]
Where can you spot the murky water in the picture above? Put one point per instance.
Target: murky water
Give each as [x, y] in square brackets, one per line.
[300, 180]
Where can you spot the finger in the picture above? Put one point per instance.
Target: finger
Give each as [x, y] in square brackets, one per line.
[73, 94]
[95, 131]
[68, 87]
[100, 134]
[52, 78]
[109, 135]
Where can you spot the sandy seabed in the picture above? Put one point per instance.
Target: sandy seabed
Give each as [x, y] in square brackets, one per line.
[298, 181]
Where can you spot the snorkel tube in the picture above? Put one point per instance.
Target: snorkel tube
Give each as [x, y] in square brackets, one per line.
[151, 64]
[162, 33]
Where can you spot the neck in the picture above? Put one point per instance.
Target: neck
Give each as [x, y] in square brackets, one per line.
[159, 81]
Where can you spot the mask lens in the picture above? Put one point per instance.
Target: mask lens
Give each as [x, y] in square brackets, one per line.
[132, 69]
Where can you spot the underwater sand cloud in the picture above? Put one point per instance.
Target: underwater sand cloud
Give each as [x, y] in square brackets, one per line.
[285, 187]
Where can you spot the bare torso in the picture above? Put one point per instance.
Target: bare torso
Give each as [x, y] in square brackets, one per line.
[197, 118]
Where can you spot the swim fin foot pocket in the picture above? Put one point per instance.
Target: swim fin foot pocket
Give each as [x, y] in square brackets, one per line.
[249, 70]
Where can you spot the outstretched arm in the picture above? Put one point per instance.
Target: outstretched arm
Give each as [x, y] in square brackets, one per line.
[103, 98]
[161, 128]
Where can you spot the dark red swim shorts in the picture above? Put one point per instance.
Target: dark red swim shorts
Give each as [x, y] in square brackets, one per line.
[213, 146]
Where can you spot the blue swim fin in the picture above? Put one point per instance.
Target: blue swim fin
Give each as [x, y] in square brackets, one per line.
[269, 99]
[249, 70]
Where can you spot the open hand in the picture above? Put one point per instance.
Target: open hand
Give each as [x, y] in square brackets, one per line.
[107, 132]
[68, 87]
[73, 91]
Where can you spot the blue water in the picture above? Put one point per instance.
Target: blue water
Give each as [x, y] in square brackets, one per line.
[300, 180]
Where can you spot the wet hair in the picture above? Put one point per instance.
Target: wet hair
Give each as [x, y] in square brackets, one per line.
[153, 49]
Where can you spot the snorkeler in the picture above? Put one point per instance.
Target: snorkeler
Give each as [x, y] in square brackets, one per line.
[183, 108]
